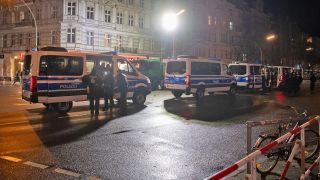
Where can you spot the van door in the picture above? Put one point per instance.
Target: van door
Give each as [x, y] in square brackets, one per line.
[26, 76]
[132, 75]
[255, 72]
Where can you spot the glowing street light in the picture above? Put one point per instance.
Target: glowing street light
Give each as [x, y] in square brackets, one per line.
[270, 37]
[170, 23]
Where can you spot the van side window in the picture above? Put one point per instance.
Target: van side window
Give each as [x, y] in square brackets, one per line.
[53, 65]
[255, 70]
[27, 64]
[204, 68]
[125, 67]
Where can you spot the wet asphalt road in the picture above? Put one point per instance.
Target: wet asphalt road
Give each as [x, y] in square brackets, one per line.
[166, 139]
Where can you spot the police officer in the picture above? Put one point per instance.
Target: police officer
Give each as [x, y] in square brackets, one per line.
[108, 88]
[122, 85]
[95, 88]
[313, 80]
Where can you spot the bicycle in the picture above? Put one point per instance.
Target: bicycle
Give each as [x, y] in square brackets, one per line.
[266, 162]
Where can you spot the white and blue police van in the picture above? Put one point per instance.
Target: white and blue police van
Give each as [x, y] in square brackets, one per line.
[192, 75]
[248, 76]
[54, 77]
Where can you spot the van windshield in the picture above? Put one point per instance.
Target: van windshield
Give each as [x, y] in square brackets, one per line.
[176, 67]
[238, 69]
[27, 64]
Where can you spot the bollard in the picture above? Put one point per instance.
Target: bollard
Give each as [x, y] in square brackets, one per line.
[302, 150]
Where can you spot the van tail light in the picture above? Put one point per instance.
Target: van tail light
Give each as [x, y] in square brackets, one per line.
[188, 80]
[33, 84]
[281, 78]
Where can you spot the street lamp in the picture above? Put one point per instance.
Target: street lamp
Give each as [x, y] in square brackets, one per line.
[170, 23]
[34, 19]
[268, 38]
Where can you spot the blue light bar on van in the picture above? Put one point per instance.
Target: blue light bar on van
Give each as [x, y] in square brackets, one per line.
[34, 49]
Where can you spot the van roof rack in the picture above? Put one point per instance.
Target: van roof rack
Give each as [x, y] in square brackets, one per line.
[50, 48]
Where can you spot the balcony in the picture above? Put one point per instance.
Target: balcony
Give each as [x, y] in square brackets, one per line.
[126, 50]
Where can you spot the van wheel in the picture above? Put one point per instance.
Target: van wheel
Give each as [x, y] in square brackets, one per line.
[63, 107]
[177, 94]
[232, 91]
[139, 98]
[200, 93]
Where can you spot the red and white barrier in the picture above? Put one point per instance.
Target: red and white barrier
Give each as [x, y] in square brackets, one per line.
[260, 151]
[293, 152]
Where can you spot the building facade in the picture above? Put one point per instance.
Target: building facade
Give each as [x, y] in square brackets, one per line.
[80, 25]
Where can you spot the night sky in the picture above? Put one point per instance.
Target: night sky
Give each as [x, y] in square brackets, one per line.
[305, 12]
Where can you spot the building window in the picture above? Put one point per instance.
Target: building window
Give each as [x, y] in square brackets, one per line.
[231, 25]
[141, 3]
[120, 1]
[152, 45]
[71, 8]
[141, 22]
[119, 41]
[38, 38]
[54, 13]
[130, 2]
[107, 40]
[21, 16]
[140, 45]
[38, 15]
[209, 20]
[107, 16]
[54, 37]
[90, 13]
[90, 38]
[5, 40]
[131, 22]
[119, 17]
[71, 35]
[13, 40]
[29, 39]
[20, 39]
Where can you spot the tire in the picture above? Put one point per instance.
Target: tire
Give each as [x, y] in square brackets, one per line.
[46, 105]
[311, 144]
[200, 93]
[139, 98]
[63, 107]
[265, 163]
[177, 94]
[233, 90]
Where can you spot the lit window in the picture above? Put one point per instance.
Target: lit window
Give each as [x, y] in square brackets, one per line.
[231, 25]
[21, 16]
[54, 37]
[209, 20]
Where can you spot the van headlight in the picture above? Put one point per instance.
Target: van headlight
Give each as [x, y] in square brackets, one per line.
[148, 81]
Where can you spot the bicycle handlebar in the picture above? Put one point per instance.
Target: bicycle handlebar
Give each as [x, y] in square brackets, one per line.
[304, 113]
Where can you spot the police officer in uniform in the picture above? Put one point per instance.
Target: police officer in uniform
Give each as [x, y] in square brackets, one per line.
[95, 88]
[108, 88]
[122, 85]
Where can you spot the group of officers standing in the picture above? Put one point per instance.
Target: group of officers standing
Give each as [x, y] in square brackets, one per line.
[102, 84]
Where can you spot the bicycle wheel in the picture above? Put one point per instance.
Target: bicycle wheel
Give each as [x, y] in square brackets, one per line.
[311, 144]
[266, 162]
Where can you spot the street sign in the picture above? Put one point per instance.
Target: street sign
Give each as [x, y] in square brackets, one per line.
[1, 56]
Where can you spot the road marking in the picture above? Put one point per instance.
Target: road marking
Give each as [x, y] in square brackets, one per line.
[9, 158]
[66, 172]
[93, 178]
[37, 165]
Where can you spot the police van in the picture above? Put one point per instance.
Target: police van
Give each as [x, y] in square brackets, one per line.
[278, 74]
[192, 75]
[248, 76]
[54, 77]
